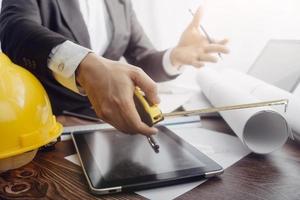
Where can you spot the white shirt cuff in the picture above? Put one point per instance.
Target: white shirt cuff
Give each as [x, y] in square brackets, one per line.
[170, 69]
[63, 62]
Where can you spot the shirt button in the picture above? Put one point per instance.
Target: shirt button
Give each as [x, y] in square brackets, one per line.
[61, 67]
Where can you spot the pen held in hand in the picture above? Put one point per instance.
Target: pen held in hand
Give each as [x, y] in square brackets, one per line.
[205, 33]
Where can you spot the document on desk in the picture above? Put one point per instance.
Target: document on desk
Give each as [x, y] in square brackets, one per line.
[262, 129]
[173, 96]
[197, 101]
[222, 148]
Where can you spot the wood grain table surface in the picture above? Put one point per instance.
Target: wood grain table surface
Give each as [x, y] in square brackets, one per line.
[50, 176]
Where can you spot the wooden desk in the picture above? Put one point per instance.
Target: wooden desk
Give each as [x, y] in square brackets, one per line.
[50, 176]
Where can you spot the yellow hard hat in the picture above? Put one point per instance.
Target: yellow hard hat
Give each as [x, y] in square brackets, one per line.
[26, 119]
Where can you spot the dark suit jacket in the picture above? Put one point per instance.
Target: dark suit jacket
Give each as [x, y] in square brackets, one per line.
[29, 29]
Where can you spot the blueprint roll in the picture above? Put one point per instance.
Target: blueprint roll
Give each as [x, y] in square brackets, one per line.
[265, 92]
[262, 130]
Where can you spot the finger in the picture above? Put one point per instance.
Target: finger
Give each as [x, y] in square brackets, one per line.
[197, 17]
[216, 48]
[118, 123]
[133, 121]
[148, 86]
[198, 64]
[127, 122]
[207, 58]
[222, 42]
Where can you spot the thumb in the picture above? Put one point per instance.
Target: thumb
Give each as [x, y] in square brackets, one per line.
[197, 17]
[147, 85]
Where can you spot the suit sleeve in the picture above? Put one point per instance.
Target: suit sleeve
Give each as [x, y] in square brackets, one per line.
[140, 51]
[23, 38]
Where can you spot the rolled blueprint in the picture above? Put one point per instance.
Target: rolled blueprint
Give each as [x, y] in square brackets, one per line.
[262, 130]
[265, 92]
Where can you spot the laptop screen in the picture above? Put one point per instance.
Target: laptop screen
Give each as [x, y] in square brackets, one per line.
[279, 64]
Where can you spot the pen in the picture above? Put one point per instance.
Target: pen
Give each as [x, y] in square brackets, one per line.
[205, 33]
[153, 144]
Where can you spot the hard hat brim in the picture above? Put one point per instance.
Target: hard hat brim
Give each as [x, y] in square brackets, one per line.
[55, 132]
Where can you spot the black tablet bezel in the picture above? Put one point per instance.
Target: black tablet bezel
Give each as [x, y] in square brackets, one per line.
[99, 186]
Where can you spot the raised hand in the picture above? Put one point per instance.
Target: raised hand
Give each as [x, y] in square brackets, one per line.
[194, 48]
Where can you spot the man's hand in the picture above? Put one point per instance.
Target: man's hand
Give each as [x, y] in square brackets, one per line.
[110, 88]
[194, 48]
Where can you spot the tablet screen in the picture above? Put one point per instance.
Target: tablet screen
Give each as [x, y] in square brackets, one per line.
[126, 156]
[111, 157]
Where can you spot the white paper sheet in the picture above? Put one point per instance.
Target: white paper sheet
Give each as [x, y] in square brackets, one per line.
[265, 92]
[173, 96]
[222, 148]
[198, 101]
[262, 130]
[297, 91]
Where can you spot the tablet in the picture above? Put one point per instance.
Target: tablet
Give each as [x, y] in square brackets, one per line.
[114, 162]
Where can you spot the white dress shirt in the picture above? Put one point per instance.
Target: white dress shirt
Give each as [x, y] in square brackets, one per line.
[66, 57]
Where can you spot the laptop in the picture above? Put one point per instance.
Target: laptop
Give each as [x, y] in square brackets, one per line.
[279, 64]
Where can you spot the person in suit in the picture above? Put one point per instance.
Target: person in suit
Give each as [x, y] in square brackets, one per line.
[74, 46]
